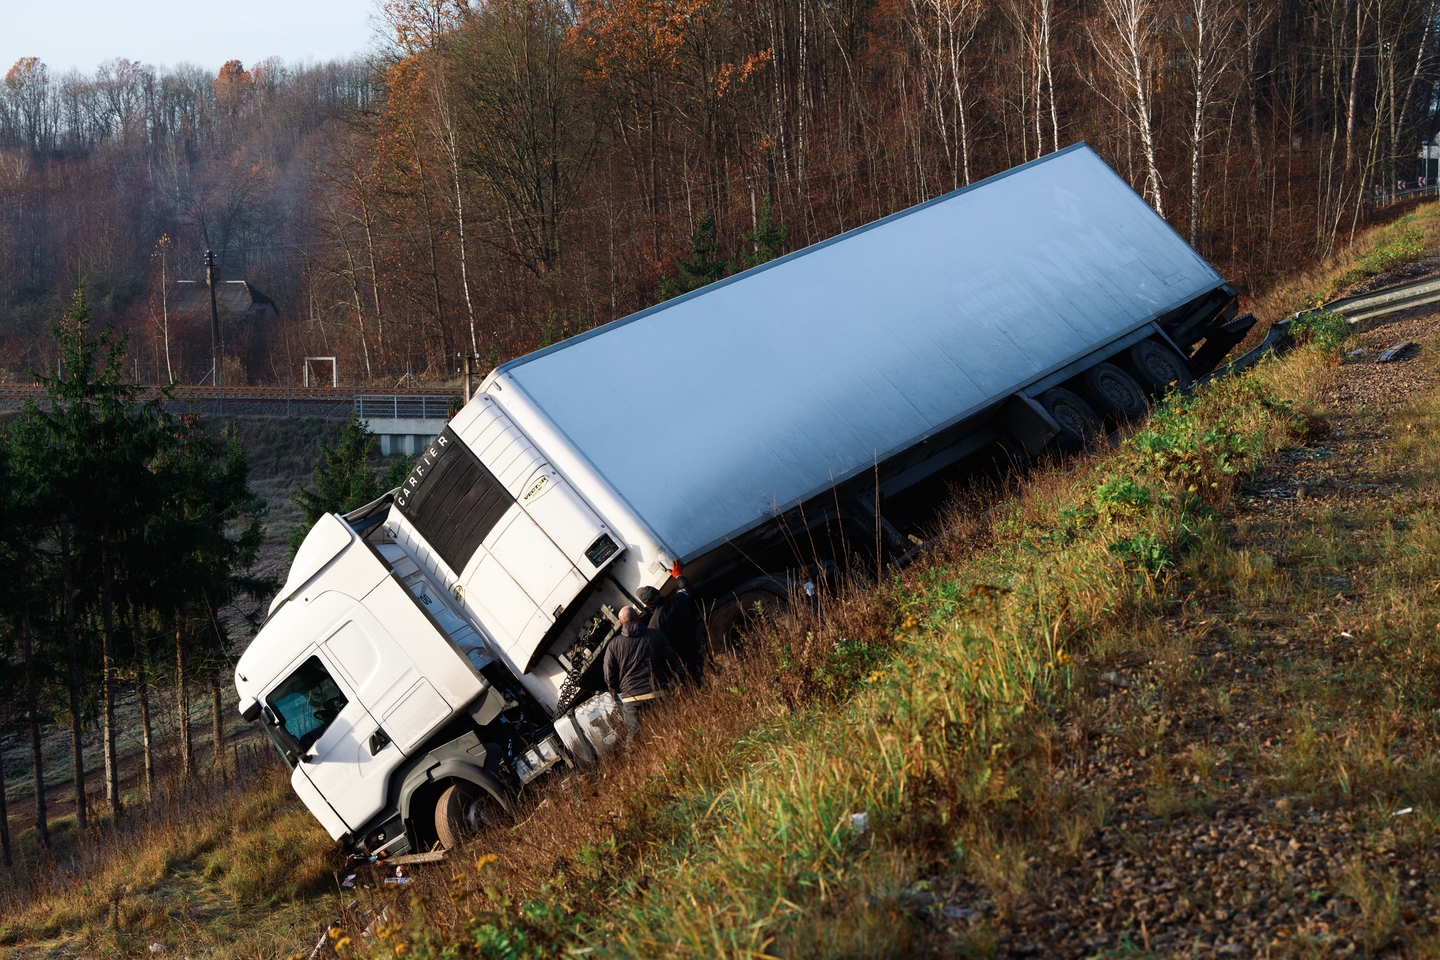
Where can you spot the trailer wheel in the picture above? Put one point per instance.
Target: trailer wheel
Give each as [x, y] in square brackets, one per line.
[1079, 424]
[1115, 392]
[732, 619]
[1158, 367]
[462, 809]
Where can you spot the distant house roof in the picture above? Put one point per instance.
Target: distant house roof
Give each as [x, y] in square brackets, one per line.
[231, 296]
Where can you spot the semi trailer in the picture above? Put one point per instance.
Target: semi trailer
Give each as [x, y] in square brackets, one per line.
[434, 651]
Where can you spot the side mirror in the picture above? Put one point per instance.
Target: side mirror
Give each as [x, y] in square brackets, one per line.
[309, 758]
[251, 713]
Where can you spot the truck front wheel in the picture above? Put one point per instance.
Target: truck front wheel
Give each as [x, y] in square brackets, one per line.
[461, 810]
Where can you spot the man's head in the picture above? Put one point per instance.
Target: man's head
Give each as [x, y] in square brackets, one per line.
[629, 615]
[648, 596]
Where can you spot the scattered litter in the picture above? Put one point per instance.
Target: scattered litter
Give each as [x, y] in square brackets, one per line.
[1358, 353]
[1346, 634]
[958, 913]
[157, 948]
[1394, 352]
[1403, 811]
[1115, 680]
[348, 883]
[860, 822]
[395, 881]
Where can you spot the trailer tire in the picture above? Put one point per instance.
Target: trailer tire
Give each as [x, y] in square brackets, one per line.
[1114, 392]
[735, 614]
[1079, 424]
[1159, 368]
[462, 809]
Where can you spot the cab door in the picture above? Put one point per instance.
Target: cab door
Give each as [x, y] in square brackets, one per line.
[334, 735]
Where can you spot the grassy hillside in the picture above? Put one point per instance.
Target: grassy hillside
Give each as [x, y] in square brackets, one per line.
[948, 707]
[1162, 701]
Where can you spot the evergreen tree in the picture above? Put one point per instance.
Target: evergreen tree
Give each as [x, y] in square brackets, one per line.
[209, 523]
[703, 266]
[344, 480]
[767, 240]
[22, 525]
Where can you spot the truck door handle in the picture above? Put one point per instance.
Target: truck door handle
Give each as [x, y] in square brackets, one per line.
[379, 740]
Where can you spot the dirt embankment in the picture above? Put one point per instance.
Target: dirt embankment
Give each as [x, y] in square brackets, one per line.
[1262, 780]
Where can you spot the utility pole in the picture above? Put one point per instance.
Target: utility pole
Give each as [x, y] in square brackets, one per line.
[215, 343]
[467, 359]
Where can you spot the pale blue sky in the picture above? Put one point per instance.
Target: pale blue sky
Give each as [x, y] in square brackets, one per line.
[82, 33]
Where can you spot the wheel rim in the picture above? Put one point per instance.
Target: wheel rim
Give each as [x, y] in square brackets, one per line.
[1117, 392]
[1072, 419]
[1163, 369]
[459, 812]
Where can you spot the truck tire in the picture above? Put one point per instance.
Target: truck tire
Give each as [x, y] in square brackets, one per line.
[739, 612]
[1079, 424]
[1114, 392]
[461, 810]
[1159, 368]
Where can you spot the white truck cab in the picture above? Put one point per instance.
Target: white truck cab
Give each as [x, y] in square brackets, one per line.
[376, 670]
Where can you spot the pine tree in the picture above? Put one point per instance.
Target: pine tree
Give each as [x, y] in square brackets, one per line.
[97, 429]
[703, 266]
[767, 240]
[23, 477]
[344, 480]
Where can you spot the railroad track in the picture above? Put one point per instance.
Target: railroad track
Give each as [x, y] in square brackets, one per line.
[328, 403]
[19, 391]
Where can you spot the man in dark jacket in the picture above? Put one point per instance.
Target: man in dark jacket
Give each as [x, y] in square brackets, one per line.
[640, 665]
[674, 616]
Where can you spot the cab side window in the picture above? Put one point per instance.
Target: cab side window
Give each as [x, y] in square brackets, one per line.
[307, 702]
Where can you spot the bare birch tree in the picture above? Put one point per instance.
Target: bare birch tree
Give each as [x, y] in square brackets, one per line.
[1210, 50]
[1124, 39]
[447, 136]
[943, 30]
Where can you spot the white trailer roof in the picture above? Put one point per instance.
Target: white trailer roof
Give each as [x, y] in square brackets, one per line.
[711, 412]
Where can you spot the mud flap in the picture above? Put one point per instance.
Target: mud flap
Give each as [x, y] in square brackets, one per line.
[1028, 422]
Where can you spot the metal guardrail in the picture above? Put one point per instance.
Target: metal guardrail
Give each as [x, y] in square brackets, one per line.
[1367, 306]
[400, 406]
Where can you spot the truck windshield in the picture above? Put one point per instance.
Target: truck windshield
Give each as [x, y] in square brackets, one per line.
[307, 702]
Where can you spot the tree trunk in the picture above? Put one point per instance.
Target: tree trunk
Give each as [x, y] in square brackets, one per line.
[37, 756]
[1354, 89]
[112, 772]
[4, 817]
[182, 708]
[142, 693]
[217, 723]
[77, 749]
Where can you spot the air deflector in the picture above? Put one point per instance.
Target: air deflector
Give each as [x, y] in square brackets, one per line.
[452, 500]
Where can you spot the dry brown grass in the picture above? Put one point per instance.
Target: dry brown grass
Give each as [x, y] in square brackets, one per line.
[226, 869]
